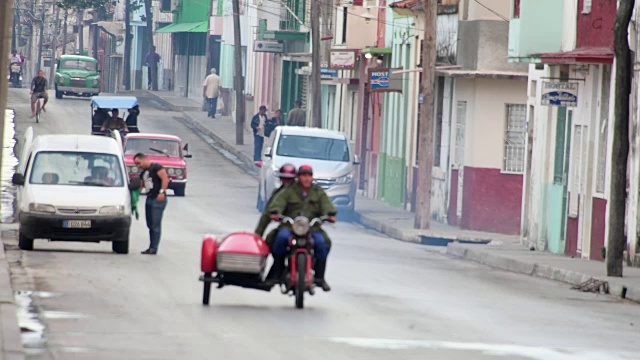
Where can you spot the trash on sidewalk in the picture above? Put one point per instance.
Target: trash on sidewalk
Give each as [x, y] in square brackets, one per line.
[593, 285]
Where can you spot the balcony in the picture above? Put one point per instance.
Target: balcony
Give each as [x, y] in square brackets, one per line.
[537, 29]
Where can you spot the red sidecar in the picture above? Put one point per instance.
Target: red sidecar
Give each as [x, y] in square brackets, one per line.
[239, 259]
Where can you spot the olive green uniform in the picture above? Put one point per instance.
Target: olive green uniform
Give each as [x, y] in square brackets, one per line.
[265, 218]
[291, 203]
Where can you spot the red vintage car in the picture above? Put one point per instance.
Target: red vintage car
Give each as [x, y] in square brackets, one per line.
[166, 150]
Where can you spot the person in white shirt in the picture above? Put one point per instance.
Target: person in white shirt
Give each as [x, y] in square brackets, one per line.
[210, 91]
[14, 58]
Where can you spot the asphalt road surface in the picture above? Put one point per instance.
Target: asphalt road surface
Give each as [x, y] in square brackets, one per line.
[389, 300]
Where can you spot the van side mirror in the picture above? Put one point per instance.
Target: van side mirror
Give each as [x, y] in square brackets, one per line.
[356, 160]
[17, 179]
[135, 183]
[267, 153]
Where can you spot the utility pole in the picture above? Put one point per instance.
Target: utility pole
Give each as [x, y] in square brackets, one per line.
[64, 32]
[153, 70]
[316, 100]
[39, 67]
[425, 131]
[14, 42]
[80, 31]
[238, 80]
[126, 76]
[54, 44]
[5, 28]
[620, 146]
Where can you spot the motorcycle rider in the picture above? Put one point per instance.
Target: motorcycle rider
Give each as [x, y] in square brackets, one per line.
[14, 58]
[287, 175]
[303, 198]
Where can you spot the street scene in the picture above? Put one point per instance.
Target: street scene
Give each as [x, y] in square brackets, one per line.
[451, 180]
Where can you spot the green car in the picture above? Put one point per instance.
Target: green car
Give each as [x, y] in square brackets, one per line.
[77, 75]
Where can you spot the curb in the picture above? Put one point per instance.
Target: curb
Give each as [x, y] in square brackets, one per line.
[168, 105]
[247, 163]
[616, 287]
[10, 335]
[384, 228]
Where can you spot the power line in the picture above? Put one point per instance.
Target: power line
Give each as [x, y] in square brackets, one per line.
[491, 10]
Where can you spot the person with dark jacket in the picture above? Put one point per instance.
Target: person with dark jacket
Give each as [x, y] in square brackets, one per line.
[258, 125]
[272, 123]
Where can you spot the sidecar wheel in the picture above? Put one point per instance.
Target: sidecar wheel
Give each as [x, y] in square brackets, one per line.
[207, 290]
[301, 280]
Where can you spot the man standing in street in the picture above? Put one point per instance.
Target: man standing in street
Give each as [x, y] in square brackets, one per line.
[156, 181]
[257, 124]
[210, 91]
[152, 63]
[296, 116]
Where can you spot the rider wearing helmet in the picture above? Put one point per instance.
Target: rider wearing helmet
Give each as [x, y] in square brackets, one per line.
[287, 175]
[303, 198]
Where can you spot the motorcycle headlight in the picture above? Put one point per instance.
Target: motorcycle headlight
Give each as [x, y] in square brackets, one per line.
[300, 226]
[171, 171]
[112, 210]
[42, 208]
[345, 179]
[179, 172]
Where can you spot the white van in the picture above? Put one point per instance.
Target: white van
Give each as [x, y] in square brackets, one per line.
[73, 188]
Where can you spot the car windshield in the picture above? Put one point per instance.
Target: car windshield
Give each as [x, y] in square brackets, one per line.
[76, 168]
[152, 147]
[78, 64]
[310, 147]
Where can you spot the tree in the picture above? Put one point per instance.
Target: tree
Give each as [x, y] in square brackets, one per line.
[620, 145]
[80, 6]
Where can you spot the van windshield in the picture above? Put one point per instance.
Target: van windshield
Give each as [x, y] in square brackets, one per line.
[76, 168]
[78, 65]
[311, 147]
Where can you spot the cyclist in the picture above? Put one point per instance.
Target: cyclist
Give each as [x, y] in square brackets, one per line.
[39, 89]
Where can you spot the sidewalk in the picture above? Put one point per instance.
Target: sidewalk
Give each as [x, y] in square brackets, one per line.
[10, 336]
[503, 252]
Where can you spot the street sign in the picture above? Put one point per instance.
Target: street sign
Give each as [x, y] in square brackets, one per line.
[559, 93]
[324, 72]
[268, 46]
[342, 59]
[382, 80]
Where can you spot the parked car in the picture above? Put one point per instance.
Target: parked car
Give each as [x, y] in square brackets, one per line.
[73, 188]
[327, 151]
[77, 75]
[166, 150]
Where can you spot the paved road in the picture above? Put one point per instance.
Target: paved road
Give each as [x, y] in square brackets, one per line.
[390, 299]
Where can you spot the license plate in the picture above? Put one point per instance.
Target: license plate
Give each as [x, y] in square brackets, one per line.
[76, 224]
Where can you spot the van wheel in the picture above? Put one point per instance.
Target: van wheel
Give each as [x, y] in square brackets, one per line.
[121, 247]
[24, 242]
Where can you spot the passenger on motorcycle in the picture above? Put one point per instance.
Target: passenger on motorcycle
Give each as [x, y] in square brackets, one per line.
[306, 198]
[114, 122]
[14, 58]
[287, 175]
[38, 89]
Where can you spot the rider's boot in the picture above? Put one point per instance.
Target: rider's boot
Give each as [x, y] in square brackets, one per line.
[319, 268]
[273, 277]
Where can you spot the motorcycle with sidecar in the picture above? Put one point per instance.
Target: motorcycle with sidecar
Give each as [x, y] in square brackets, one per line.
[240, 259]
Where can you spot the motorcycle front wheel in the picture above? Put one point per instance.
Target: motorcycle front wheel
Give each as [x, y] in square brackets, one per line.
[301, 283]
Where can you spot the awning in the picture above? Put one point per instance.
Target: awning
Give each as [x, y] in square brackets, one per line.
[582, 55]
[372, 50]
[198, 27]
[482, 74]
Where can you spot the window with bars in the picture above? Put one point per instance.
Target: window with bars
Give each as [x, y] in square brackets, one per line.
[514, 138]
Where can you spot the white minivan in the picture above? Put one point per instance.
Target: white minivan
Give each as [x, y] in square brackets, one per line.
[73, 188]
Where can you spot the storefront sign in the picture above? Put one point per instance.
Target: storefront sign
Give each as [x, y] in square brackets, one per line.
[382, 80]
[560, 93]
[268, 46]
[328, 73]
[343, 60]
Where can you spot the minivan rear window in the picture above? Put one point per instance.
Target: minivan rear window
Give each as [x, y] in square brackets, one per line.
[76, 168]
[311, 147]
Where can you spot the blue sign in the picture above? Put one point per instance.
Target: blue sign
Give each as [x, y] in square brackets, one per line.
[379, 80]
[328, 72]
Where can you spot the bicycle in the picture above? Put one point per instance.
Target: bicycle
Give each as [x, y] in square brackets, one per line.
[38, 107]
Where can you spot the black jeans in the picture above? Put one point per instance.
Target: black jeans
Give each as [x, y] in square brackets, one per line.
[258, 141]
[154, 210]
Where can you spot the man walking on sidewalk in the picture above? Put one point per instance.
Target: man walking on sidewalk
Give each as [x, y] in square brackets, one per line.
[296, 116]
[257, 124]
[210, 91]
[156, 181]
[152, 63]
